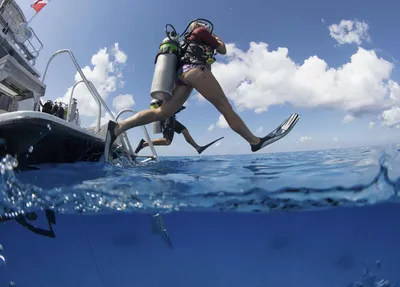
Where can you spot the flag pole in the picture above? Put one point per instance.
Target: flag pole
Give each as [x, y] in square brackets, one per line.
[32, 18]
[39, 8]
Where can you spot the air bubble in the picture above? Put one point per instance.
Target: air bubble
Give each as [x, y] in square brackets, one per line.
[2, 261]
[378, 263]
[30, 149]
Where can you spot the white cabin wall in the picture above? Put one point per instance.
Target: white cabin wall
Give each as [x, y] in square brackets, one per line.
[26, 105]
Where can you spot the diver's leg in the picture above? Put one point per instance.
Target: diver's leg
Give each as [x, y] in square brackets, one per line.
[180, 94]
[191, 141]
[206, 84]
[189, 138]
[168, 133]
[160, 141]
[181, 129]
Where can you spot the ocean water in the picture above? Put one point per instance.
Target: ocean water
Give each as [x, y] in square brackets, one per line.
[320, 218]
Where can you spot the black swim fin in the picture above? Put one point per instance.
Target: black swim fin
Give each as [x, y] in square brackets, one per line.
[140, 146]
[109, 140]
[282, 130]
[159, 228]
[165, 237]
[203, 148]
[51, 216]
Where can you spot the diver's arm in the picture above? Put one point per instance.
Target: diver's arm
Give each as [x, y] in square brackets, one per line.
[221, 49]
[210, 39]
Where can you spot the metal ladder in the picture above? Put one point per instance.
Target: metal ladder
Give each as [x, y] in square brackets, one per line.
[100, 102]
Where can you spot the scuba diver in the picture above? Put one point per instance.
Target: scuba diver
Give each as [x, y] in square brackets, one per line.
[168, 127]
[179, 69]
[32, 216]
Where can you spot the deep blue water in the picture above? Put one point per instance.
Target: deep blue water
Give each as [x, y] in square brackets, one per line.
[320, 218]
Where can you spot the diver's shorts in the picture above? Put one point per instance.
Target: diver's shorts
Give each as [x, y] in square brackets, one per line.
[171, 126]
[185, 69]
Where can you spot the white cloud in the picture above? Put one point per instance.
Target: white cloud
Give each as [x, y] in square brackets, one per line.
[103, 120]
[347, 119]
[305, 139]
[394, 90]
[119, 55]
[335, 139]
[123, 102]
[391, 117]
[222, 123]
[210, 128]
[347, 32]
[217, 144]
[260, 110]
[259, 130]
[258, 78]
[105, 75]
[106, 118]
[371, 125]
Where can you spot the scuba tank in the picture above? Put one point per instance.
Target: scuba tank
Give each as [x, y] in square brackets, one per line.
[72, 114]
[166, 67]
[154, 104]
[78, 119]
[167, 60]
[65, 112]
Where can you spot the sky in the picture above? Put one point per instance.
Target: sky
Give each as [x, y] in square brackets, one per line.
[334, 63]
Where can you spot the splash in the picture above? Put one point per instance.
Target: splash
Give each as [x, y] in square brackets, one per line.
[370, 280]
[246, 183]
[2, 258]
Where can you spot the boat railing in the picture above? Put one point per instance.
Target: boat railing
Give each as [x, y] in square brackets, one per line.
[20, 35]
[146, 134]
[98, 120]
[100, 102]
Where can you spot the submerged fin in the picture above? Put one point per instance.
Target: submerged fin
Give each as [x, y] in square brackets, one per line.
[166, 238]
[155, 225]
[203, 148]
[158, 227]
[282, 130]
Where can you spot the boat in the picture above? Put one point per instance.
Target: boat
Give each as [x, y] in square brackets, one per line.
[37, 132]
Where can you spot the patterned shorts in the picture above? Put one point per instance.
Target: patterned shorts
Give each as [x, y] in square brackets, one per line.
[185, 69]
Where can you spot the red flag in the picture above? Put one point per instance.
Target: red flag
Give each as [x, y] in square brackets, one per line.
[39, 4]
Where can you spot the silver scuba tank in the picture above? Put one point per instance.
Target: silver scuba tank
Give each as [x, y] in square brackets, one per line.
[72, 113]
[78, 118]
[154, 104]
[156, 128]
[165, 69]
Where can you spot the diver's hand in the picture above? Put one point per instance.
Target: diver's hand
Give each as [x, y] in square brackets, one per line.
[221, 48]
